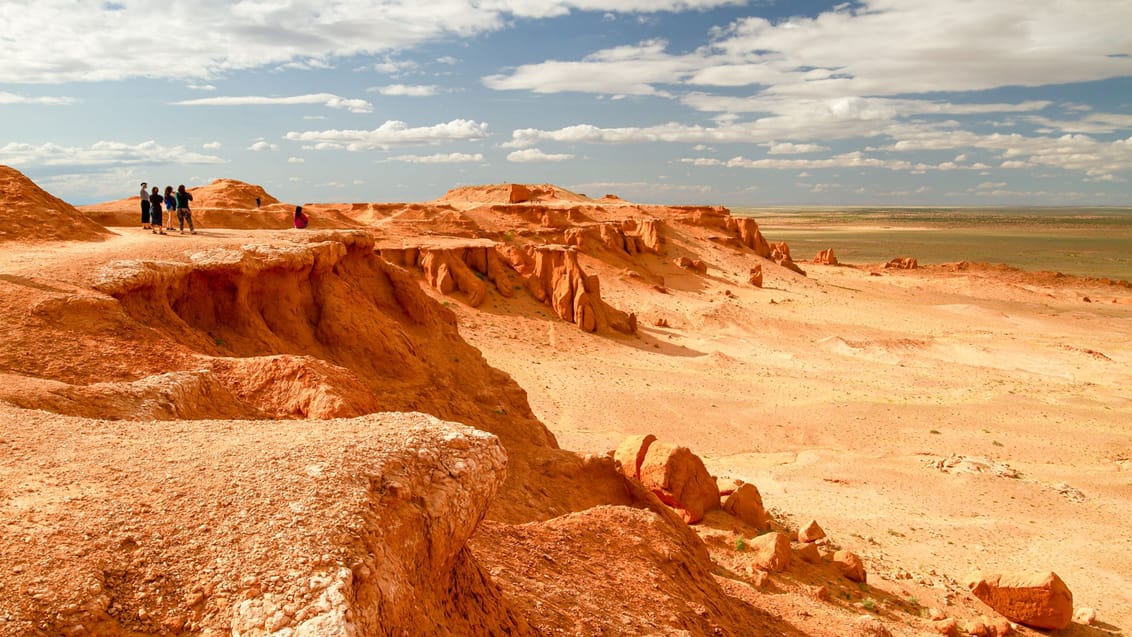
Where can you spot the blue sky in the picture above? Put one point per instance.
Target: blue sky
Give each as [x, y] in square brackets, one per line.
[889, 102]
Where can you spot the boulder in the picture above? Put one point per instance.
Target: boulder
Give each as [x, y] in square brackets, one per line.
[850, 565]
[809, 552]
[772, 552]
[755, 276]
[902, 263]
[746, 503]
[1085, 615]
[695, 265]
[679, 479]
[1039, 599]
[811, 532]
[631, 453]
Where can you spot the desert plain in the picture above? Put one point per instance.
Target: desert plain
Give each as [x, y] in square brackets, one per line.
[259, 430]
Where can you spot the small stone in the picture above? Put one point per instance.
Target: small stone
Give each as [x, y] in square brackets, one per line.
[820, 593]
[946, 626]
[1085, 615]
[811, 532]
[808, 553]
[850, 565]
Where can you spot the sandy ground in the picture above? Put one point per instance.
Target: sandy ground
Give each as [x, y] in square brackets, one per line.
[838, 394]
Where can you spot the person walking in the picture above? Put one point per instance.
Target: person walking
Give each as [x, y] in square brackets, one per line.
[145, 205]
[183, 212]
[170, 207]
[155, 201]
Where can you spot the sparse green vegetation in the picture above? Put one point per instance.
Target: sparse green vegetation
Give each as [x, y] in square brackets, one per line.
[869, 604]
[740, 544]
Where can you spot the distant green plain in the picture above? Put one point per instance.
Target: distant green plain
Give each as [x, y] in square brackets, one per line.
[1093, 242]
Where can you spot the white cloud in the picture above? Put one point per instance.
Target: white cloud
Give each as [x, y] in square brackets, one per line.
[536, 155]
[440, 158]
[406, 90]
[103, 153]
[295, 160]
[1096, 123]
[212, 145]
[326, 99]
[788, 148]
[261, 146]
[391, 134]
[623, 70]
[202, 39]
[13, 98]
[447, 59]
[702, 161]
[201, 87]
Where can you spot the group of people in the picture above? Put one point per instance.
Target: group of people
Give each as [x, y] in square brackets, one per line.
[151, 209]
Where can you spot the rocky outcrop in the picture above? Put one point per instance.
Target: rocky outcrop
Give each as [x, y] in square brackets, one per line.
[550, 273]
[826, 257]
[254, 528]
[628, 237]
[902, 263]
[780, 254]
[1035, 599]
[747, 229]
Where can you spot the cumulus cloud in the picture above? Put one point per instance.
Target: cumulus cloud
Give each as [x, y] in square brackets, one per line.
[13, 98]
[440, 158]
[295, 160]
[536, 155]
[212, 145]
[391, 134]
[623, 70]
[406, 90]
[103, 153]
[88, 41]
[325, 99]
[261, 146]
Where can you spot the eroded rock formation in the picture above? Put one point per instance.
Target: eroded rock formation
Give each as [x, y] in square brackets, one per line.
[550, 273]
[251, 528]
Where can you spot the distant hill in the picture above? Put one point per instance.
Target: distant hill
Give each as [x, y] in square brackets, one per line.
[29, 213]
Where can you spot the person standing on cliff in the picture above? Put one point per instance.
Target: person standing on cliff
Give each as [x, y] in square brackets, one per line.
[145, 206]
[170, 207]
[183, 212]
[155, 201]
